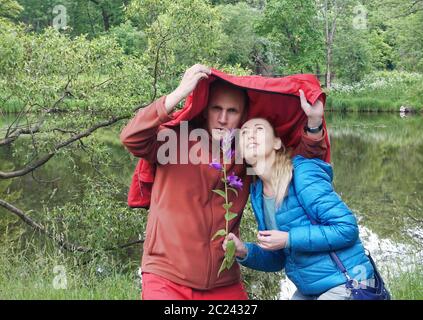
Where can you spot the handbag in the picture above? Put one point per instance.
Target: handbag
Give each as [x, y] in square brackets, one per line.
[359, 291]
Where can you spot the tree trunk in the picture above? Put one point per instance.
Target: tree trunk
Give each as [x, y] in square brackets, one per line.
[106, 19]
[328, 76]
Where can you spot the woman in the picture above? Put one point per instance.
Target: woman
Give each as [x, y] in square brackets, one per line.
[287, 194]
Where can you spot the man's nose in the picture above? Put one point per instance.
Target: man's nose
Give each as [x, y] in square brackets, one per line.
[223, 117]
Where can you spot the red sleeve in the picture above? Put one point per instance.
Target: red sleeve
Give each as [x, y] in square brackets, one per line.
[311, 147]
[140, 135]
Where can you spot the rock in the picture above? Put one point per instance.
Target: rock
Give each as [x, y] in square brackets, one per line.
[405, 109]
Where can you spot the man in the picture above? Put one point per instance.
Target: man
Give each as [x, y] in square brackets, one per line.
[180, 261]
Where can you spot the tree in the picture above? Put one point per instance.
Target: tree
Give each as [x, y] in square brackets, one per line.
[239, 37]
[83, 17]
[292, 29]
[69, 89]
[180, 33]
[10, 9]
[332, 11]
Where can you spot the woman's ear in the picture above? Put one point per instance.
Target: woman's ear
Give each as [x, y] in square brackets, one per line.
[277, 145]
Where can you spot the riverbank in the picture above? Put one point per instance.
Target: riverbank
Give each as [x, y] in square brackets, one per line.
[379, 92]
[47, 273]
[384, 91]
[55, 277]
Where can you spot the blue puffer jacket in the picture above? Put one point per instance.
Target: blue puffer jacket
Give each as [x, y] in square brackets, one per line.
[306, 261]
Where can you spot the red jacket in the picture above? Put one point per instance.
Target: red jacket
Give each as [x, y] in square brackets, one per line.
[184, 212]
[284, 112]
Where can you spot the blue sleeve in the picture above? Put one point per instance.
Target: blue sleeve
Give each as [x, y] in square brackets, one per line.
[337, 226]
[263, 260]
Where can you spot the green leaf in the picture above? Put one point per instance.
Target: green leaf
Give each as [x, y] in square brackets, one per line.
[221, 232]
[222, 267]
[230, 263]
[220, 193]
[227, 206]
[230, 216]
[234, 190]
[230, 250]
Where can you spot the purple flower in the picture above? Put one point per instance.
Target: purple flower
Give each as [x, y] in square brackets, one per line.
[215, 165]
[234, 181]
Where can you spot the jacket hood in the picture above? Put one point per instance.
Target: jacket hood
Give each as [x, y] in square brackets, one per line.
[326, 167]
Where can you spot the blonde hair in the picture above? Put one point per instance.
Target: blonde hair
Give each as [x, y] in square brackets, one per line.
[281, 175]
[281, 171]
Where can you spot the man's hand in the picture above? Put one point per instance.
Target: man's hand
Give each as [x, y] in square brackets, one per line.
[272, 239]
[314, 113]
[241, 249]
[188, 83]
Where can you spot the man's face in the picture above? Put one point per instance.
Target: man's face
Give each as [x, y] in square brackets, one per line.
[225, 110]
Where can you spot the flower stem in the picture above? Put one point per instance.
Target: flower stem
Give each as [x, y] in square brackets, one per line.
[226, 196]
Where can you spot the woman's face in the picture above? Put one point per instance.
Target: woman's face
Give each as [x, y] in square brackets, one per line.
[257, 140]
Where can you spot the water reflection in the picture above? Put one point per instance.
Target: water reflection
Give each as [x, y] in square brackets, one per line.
[378, 170]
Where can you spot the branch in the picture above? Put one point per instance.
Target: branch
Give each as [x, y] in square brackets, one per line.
[16, 133]
[40, 228]
[36, 164]
[41, 161]
[62, 243]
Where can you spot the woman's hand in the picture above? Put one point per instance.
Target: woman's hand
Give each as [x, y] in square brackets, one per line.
[314, 113]
[241, 249]
[272, 239]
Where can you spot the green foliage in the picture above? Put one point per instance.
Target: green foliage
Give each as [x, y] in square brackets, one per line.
[36, 267]
[352, 55]
[407, 285]
[99, 76]
[91, 17]
[131, 39]
[239, 38]
[295, 39]
[379, 91]
[10, 9]
[259, 285]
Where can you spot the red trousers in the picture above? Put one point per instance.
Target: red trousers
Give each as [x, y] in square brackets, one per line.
[155, 287]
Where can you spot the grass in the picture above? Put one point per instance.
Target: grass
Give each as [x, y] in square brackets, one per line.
[363, 104]
[48, 274]
[26, 275]
[407, 285]
[12, 105]
[378, 92]
[115, 287]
